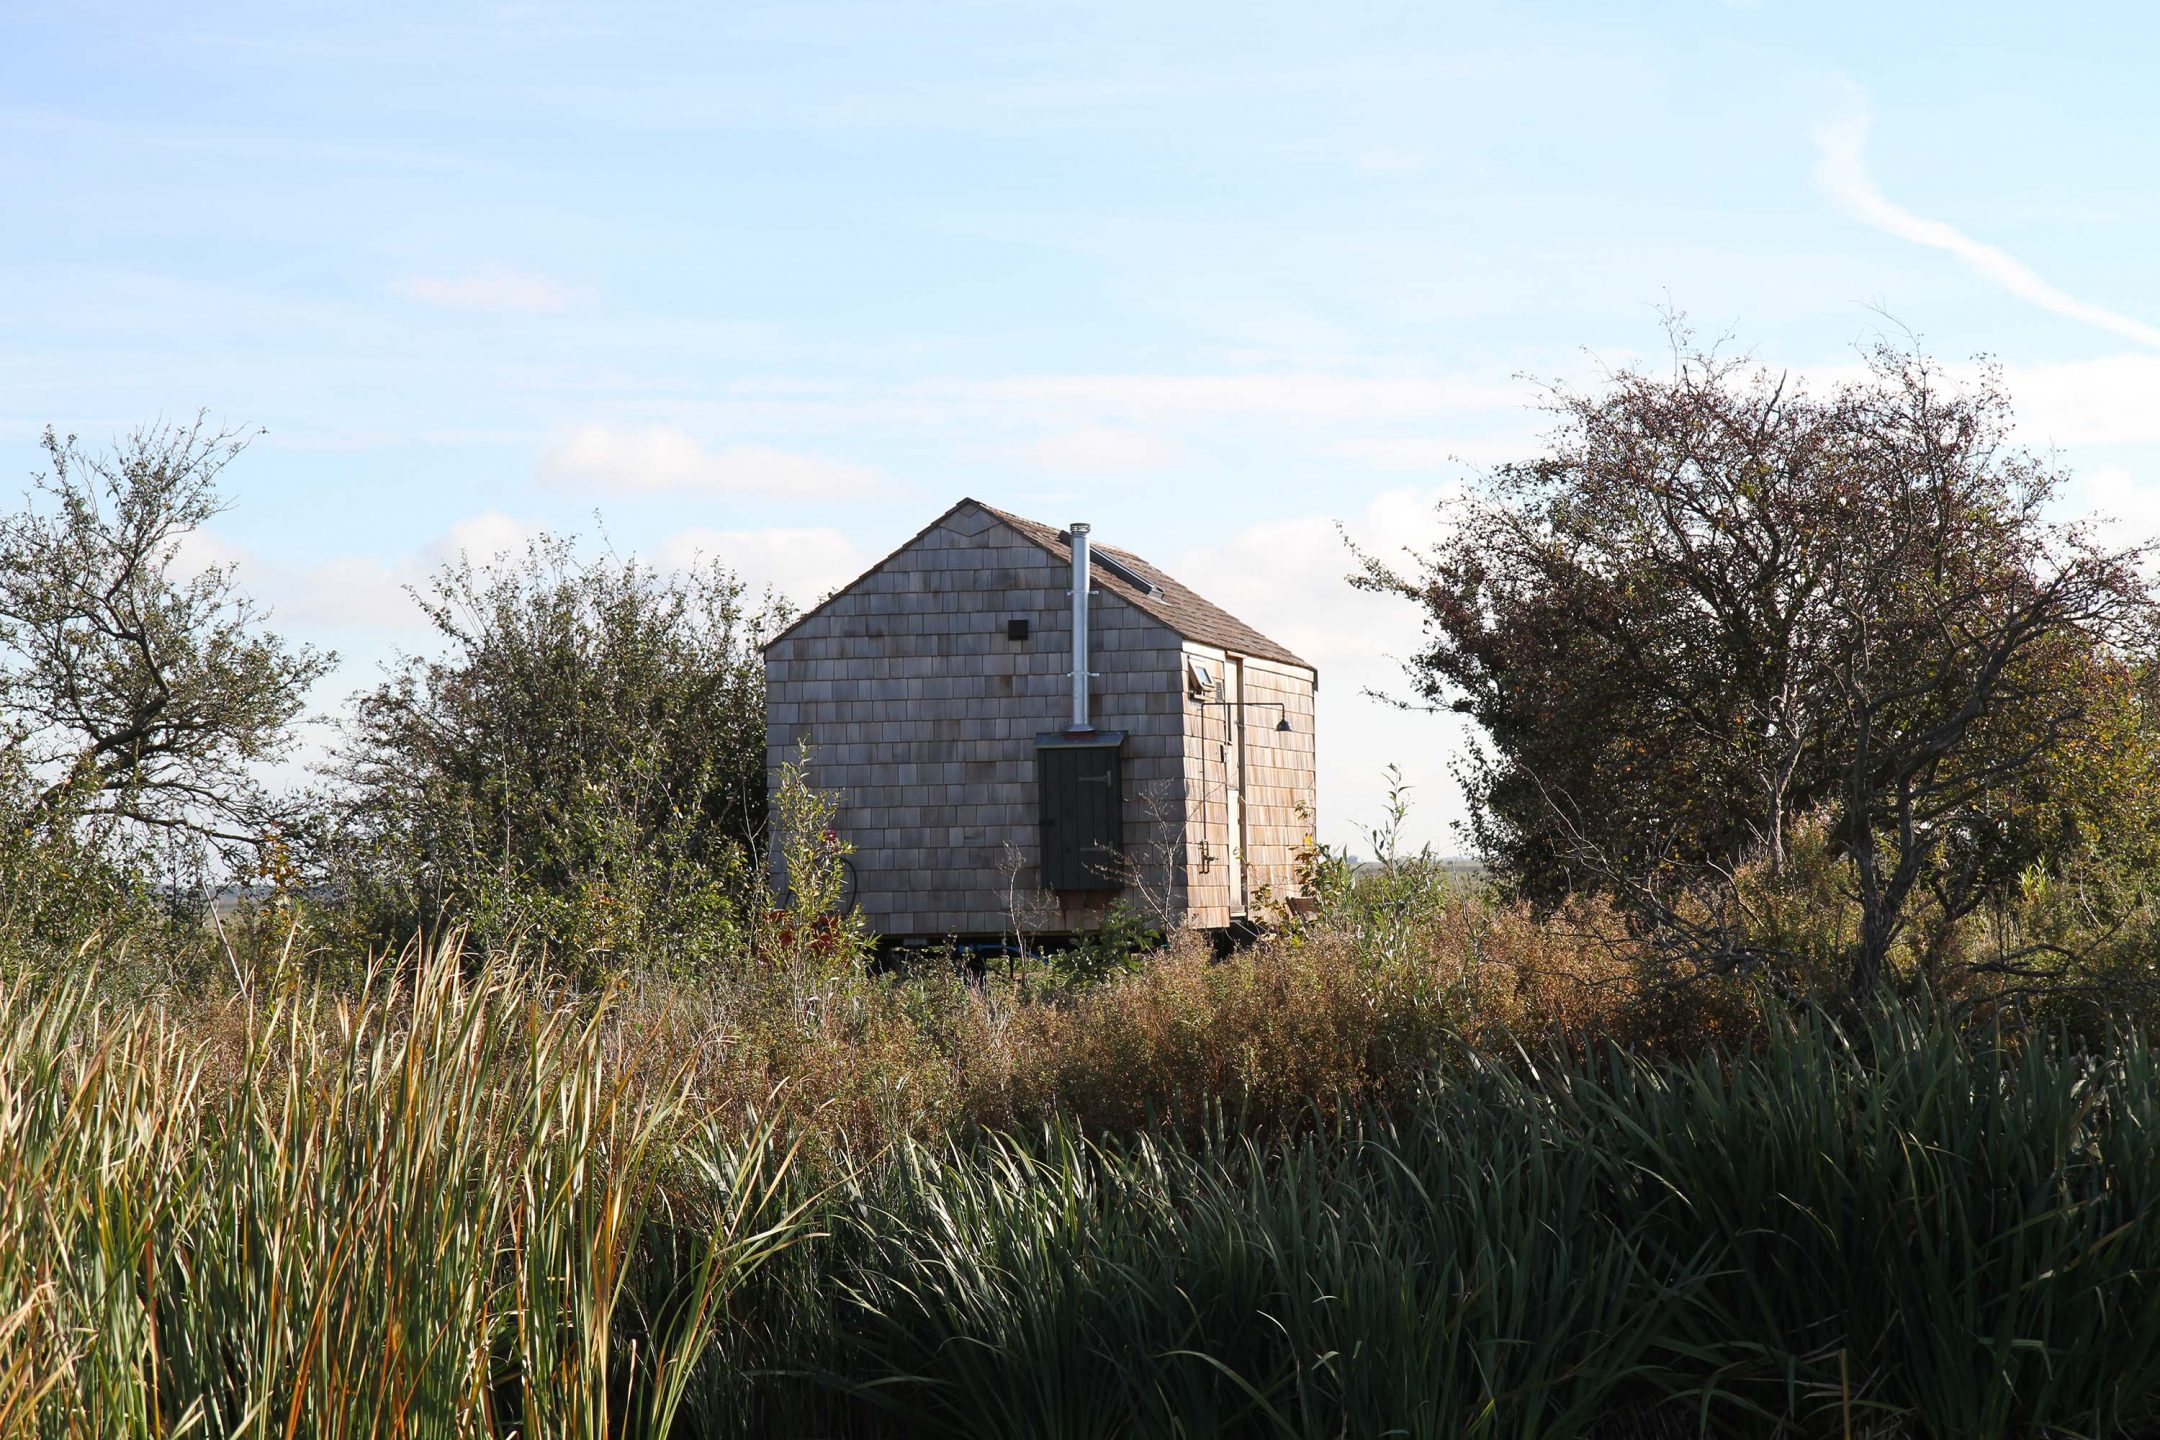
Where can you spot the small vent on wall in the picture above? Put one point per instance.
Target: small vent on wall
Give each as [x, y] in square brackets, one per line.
[1016, 629]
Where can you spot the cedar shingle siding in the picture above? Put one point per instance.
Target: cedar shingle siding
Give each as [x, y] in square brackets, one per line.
[923, 714]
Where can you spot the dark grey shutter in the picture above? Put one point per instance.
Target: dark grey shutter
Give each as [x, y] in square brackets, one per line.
[1083, 811]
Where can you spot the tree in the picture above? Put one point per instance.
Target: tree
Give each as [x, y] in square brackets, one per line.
[583, 766]
[1720, 603]
[135, 696]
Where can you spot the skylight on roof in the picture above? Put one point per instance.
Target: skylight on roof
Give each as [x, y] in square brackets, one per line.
[1123, 572]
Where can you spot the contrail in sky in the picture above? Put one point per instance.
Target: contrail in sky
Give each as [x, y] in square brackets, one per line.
[1842, 172]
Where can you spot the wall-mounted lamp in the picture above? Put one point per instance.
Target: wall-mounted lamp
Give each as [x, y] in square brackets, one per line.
[1282, 725]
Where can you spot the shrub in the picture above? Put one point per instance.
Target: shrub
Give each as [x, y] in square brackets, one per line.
[75, 898]
[583, 769]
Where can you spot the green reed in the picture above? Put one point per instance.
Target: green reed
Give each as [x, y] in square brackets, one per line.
[454, 1204]
[410, 1212]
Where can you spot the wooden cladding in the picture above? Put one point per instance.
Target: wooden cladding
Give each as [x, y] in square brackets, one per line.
[1082, 794]
[923, 714]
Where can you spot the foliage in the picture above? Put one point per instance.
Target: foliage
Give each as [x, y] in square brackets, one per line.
[64, 892]
[583, 768]
[1119, 945]
[1720, 604]
[1382, 907]
[1268, 1034]
[135, 695]
[1907, 1232]
[431, 1207]
[460, 1205]
[815, 935]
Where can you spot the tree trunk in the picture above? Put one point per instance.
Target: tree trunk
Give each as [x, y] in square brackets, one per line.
[1776, 828]
[1869, 956]
[1878, 918]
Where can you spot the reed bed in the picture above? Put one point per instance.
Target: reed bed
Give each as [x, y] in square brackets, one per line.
[1907, 1232]
[457, 1203]
[430, 1209]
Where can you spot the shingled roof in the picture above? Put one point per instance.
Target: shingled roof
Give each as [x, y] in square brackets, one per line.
[1176, 605]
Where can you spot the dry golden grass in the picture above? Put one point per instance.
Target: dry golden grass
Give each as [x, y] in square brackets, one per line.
[1341, 1011]
[1299, 1025]
[340, 1130]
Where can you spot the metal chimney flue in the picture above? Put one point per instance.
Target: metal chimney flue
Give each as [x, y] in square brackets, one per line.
[1080, 581]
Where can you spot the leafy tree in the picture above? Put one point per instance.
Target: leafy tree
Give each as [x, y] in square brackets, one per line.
[60, 889]
[582, 767]
[1721, 602]
[137, 698]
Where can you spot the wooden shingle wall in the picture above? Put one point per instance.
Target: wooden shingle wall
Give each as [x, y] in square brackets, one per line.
[922, 715]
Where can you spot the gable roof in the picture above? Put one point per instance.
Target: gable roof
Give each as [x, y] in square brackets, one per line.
[1177, 606]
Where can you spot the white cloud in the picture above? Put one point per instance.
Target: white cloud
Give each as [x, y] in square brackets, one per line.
[340, 592]
[370, 592]
[1011, 411]
[2128, 511]
[1384, 160]
[1290, 579]
[481, 538]
[805, 565]
[1841, 171]
[1308, 396]
[201, 551]
[662, 458]
[801, 563]
[1418, 453]
[349, 591]
[1099, 450]
[492, 290]
[353, 592]
[2107, 400]
[361, 604]
[2114, 399]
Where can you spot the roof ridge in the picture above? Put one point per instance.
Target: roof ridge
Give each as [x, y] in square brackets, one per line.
[886, 559]
[1173, 604]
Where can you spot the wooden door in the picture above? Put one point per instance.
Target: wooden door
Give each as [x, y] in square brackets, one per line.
[1082, 810]
[1234, 777]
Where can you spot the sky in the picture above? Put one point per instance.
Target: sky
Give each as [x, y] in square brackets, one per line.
[777, 283]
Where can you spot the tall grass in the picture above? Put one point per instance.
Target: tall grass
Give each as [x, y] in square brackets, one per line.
[1907, 1232]
[430, 1209]
[458, 1204]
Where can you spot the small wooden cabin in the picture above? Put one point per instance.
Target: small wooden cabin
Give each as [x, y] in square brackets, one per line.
[1021, 726]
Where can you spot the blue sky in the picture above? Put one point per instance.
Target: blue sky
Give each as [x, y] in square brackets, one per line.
[777, 283]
